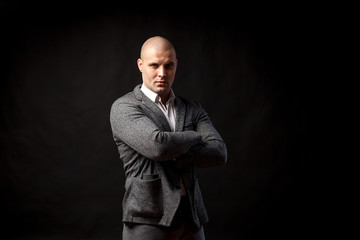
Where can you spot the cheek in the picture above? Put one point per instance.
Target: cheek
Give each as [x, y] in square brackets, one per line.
[150, 74]
[153, 73]
[172, 74]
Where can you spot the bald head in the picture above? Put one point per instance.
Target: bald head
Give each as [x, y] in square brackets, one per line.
[157, 64]
[156, 43]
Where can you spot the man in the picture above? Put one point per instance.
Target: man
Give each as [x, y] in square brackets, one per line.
[161, 138]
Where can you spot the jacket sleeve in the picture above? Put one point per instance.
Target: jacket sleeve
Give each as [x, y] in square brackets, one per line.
[130, 125]
[210, 152]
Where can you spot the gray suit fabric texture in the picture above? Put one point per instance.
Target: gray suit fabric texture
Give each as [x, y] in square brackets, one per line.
[155, 158]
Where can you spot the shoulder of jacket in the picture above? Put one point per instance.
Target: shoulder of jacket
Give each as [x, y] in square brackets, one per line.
[127, 98]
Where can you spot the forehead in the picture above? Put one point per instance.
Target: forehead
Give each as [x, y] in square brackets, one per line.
[154, 54]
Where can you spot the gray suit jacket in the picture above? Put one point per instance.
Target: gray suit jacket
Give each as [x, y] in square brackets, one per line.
[155, 158]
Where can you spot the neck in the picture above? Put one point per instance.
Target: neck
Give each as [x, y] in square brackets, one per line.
[164, 97]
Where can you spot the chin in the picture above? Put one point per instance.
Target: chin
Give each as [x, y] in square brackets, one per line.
[162, 90]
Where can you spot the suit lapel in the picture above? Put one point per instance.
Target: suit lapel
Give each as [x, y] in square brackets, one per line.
[156, 114]
[180, 114]
[154, 111]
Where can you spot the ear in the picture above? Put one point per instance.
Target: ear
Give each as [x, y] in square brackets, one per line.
[139, 63]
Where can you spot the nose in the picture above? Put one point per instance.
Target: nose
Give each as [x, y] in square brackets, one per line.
[162, 71]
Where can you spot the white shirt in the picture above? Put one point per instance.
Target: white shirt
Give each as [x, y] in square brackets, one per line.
[168, 109]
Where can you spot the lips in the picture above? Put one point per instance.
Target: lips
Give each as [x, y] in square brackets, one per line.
[161, 82]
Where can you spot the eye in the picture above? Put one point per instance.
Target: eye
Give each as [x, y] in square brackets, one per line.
[154, 65]
[169, 66]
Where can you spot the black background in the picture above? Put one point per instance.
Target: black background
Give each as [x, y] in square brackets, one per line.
[63, 65]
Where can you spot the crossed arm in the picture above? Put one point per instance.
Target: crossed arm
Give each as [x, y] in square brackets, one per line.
[201, 147]
[210, 152]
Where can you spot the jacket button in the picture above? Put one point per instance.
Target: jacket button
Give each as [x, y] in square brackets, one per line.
[177, 186]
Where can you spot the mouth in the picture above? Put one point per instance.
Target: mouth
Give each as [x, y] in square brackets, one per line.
[161, 83]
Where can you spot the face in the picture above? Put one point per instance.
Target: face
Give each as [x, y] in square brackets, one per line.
[158, 69]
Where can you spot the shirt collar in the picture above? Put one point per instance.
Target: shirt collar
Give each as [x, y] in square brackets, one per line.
[154, 96]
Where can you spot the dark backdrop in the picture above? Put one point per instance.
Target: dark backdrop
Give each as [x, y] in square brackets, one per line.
[62, 66]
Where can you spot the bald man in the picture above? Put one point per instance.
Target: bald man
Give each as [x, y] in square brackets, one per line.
[161, 138]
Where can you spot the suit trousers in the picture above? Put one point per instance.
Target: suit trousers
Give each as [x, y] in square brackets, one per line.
[182, 227]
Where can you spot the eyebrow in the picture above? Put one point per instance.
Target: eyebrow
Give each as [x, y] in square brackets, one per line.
[166, 63]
